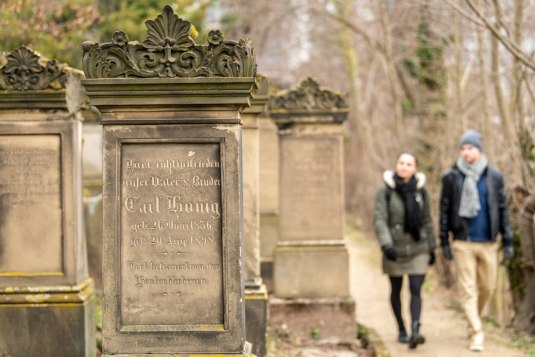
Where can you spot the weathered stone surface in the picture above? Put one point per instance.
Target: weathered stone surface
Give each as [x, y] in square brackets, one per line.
[312, 205]
[168, 51]
[172, 264]
[269, 166]
[269, 195]
[25, 70]
[311, 271]
[171, 246]
[251, 218]
[309, 319]
[173, 268]
[311, 258]
[256, 311]
[43, 259]
[172, 272]
[255, 291]
[48, 324]
[92, 188]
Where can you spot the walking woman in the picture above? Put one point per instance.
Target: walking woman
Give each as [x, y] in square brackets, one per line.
[403, 225]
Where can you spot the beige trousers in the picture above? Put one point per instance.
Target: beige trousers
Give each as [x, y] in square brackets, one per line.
[476, 268]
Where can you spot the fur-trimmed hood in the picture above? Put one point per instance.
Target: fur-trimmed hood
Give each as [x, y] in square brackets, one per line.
[388, 178]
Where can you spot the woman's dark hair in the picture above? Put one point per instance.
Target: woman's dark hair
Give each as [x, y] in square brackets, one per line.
[411, 153]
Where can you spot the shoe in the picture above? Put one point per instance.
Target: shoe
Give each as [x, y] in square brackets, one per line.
[416, 339]
[403, 337]
[476, 344]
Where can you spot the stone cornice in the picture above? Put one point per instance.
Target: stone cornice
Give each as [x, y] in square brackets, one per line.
[260, 96]
[133, 97]
[169, 51]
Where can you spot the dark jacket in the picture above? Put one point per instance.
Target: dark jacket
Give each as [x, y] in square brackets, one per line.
[450, 198]
[389, 219]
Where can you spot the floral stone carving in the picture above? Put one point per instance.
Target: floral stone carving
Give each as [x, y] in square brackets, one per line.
[23, 70]
[168, 51]
[308, 96]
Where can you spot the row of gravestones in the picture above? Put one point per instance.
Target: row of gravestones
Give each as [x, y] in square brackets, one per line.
[180, 124]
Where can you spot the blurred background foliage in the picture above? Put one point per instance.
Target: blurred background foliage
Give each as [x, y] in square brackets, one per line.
[56, 28]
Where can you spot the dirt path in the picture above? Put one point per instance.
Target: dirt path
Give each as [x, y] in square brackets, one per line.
[443, 327]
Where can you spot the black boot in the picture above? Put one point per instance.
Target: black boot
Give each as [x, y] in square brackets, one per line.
[403, 337]
[416, 339]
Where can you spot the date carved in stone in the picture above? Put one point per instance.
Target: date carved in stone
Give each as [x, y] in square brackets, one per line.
[23, 70]
[308, 96]
[169, 51]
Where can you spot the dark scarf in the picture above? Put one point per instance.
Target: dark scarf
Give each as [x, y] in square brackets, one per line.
[413, 217]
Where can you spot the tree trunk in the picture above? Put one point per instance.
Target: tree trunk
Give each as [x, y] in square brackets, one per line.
[526, 309]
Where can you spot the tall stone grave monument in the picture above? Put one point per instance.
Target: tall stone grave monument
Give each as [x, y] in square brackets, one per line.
[311, 269]
[269, 196]
[172, 265]
[255, 290]
[46, 298]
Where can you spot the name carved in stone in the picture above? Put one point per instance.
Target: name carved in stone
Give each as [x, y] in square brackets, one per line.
[171, 233]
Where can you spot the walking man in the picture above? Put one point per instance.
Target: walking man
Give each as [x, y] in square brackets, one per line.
[473, 207]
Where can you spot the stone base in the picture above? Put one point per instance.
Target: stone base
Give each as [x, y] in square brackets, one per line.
[48, 322]
[256, 301]
[184, 355]
[246, 353]
[266, 272]
[312, 319]
[311, 270]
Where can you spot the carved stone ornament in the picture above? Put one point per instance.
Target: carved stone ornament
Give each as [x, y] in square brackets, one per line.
[24, 70]
[308, 96]
[169, 51]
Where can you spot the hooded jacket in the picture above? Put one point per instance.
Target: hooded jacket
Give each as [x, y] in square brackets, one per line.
[389, 219]
[450, 199]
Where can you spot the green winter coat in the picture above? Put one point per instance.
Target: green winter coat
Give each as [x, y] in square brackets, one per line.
[389, 215]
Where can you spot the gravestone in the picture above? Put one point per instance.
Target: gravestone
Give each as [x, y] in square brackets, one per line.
[173, 269]
[311, 269]
[269, 196]
[46, 298]
[255, 290]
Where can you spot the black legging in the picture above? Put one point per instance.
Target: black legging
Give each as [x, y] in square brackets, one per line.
[415, 285]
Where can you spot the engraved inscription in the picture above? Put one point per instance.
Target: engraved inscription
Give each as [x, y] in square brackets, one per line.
[171, 248]
[312, 191]
[30, 205]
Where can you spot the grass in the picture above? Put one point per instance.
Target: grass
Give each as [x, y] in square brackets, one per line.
[524, 342]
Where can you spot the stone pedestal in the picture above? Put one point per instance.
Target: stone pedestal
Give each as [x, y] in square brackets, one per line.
[255, 291]
[173, 265]
[311, 258]
[269, 197]
[46, 298]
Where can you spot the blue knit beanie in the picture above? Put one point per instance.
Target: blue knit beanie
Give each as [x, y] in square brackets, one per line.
[472, 137]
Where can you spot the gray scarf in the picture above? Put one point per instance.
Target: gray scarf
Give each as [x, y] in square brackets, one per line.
[470, 206]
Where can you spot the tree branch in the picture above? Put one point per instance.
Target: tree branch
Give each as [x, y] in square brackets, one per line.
[508, 44]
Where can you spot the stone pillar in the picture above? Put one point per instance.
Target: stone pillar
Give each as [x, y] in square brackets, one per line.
[173, 270]
[311, 271]
[269, 196]
[46, 298]
[255, 290]
[92, 195]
